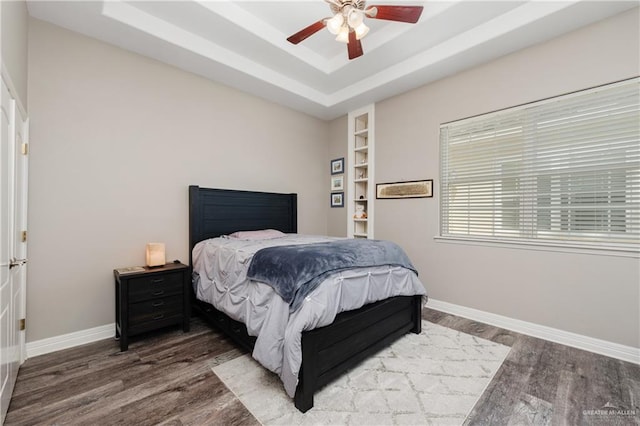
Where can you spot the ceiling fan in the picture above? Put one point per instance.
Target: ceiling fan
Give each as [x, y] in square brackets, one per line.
[347, 22]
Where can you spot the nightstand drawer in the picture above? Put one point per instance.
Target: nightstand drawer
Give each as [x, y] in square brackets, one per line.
[155, 286]
[155, 310]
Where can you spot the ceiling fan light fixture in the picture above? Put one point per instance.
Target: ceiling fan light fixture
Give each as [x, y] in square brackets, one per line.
[361, 31]
[347, 22]
[335, 24]
[355, 17]
[343, 35]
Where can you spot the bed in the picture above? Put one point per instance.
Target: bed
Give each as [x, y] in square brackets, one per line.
[326, 352]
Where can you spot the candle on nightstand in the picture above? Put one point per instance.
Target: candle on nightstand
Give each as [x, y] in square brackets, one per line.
[155, 254]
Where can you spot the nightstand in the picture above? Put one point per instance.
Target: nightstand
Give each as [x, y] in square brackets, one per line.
[151, 299]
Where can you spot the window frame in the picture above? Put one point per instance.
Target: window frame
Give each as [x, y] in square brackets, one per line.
[528, 204]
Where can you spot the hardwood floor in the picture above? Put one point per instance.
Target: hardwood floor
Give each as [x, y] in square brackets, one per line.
[544, 383]
[166, 378]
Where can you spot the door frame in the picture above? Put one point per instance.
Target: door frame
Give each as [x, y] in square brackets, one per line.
[18, 192]
[20, 111]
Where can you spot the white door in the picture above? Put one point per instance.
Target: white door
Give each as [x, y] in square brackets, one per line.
[12, 274]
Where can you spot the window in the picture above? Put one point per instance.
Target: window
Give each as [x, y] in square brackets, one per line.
[563, 170]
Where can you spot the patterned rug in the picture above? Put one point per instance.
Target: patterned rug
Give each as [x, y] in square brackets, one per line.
[435, 377]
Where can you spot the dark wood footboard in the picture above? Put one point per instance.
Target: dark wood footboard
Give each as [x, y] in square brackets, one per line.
[328, 352]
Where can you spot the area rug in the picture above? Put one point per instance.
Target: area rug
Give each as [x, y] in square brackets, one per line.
[435, 377]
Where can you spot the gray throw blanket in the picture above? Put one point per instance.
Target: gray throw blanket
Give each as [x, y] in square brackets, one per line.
[295, 270]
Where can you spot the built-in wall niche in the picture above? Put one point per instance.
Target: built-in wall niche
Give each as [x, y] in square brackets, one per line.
[360, 172]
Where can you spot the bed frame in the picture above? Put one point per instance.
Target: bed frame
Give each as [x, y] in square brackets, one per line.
[327, 352]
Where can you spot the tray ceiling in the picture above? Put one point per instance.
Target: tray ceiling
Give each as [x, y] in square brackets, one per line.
[243, 44]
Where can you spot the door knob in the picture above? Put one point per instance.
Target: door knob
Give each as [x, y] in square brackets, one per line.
[16, 262]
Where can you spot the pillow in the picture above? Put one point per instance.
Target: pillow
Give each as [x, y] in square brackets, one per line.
[263, 234]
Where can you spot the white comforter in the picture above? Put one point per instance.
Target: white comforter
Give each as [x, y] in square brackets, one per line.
[219, 278]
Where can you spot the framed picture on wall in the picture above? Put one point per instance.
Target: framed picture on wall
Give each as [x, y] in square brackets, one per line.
[410, 189]
[337, 183]
[337, 199]
[337, 166]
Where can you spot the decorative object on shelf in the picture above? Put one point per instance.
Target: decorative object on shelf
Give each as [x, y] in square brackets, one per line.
[337, 166]
[347, 22]
[360, 213]
[337, 199]
[155, 254]
[408, 189]
[361, 197]
[337, 183]
[361, 175]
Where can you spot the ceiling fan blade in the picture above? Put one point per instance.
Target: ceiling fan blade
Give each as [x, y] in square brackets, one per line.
[409, 14]
[354, 48]
[307, 32]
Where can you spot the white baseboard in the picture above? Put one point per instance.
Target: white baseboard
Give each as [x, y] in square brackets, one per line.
[602, 347]
[70, 340]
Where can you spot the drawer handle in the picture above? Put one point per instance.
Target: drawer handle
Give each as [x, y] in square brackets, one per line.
[158, 293]
[157, 280]
[156, 304]
[157, 317]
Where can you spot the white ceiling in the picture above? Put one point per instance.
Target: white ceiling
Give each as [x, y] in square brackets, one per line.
[243, 44]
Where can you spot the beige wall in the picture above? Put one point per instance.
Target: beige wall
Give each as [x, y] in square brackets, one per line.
[336, 223]
[592, 295]
[116, 138]
[13, 33]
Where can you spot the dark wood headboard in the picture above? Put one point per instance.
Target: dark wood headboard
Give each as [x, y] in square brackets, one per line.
[215, 212]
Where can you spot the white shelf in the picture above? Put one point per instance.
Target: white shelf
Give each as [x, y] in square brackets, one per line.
[360, 235]
[361, 148]
[361, 199]
[359, 220]
[361, 180]
[361, 165]
[361, 132]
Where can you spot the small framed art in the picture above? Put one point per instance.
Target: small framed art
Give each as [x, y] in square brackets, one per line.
[337, 166]
[337, 183]
[337, 199]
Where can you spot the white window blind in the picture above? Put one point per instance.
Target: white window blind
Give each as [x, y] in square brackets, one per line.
[565, 169]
